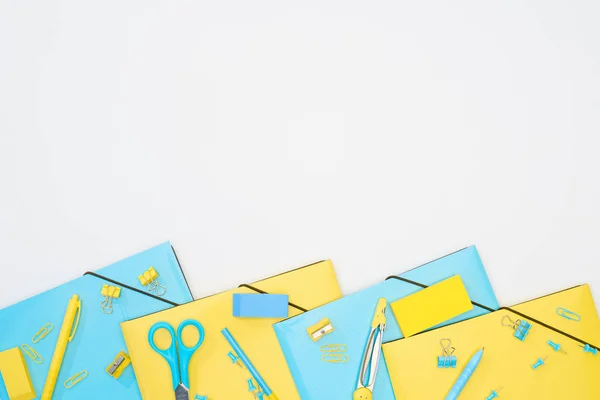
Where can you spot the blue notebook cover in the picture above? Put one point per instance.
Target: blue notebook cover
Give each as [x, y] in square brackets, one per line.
[98, 338]
[351, 318]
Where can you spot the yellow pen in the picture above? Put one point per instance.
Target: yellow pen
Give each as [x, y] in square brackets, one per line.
[67, 331]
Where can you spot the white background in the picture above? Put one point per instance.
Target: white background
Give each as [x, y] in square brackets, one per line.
[259, 136]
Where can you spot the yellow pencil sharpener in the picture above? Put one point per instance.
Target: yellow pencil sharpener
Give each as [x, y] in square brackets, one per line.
[116, 368]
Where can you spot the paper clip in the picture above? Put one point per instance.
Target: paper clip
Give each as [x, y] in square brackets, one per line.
[494, 394]
[109, 293]
[334, 348]
[556, 346]
[198, 397]
[447, 359]
[75, 379]
[521, 327]
[42, 333]
[335, 358]
[570, 315]
[150, 279]
[589, 349]
[34, 355]
[539, 363]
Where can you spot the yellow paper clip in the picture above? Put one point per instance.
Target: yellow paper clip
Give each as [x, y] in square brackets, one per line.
[42, 333]
[150, 279]
[334, 353]
[116, 368]
[334, 357]
[75, 379]
[334, 348]
[320, 329]
[109, 293]
[34, 355]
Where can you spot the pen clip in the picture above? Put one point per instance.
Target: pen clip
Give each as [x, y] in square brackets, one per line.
[76, 322]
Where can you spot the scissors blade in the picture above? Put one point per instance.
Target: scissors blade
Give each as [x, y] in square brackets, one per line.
[182, 393]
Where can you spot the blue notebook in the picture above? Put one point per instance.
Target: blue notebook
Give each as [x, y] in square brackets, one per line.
[351, 318]
[98, 338]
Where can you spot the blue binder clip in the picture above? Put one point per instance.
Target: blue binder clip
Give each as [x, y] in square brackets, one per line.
[521, 327]
[447, 360]
[589, 349]
[556, 346]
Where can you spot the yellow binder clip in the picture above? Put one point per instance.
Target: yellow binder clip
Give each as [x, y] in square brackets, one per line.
[42, 333]
[109, 293]
[34, 355]
[116, 368]
[75, 379]
[150, 279]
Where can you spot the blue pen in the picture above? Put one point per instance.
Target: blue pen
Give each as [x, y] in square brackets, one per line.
[464, 376]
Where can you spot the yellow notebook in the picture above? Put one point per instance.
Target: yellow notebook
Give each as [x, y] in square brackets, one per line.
[211, 371]
[507, 361]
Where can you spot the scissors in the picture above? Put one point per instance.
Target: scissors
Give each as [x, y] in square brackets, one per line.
[178, 355]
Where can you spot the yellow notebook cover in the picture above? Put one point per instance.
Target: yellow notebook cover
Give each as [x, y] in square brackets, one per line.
[211, 371]
[507, 362]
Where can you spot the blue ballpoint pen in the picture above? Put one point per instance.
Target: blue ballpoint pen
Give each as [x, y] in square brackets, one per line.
[464, 376]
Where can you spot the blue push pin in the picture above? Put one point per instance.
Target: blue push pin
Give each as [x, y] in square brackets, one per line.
[251, 385]
[589, 349]
[539, 363]
[447, 362]
[493, 395]
[260, 395]
[555, 346]
[235, 359]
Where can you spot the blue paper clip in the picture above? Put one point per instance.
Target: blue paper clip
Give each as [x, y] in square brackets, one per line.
[447, 360]
[589, 349]
[570, 315]
[521, 327]
[539, 363]
[556, 346]
[198, 397]
[494, 394]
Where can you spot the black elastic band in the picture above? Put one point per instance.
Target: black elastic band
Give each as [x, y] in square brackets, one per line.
[507, 309]
[263, 292]
[426, 286]
[132, 288]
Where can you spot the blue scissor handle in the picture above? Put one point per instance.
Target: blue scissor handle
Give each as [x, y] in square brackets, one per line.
[186, 353]
[170, 354]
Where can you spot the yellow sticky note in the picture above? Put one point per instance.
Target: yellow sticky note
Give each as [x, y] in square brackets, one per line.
[432, 306]
[15, 374]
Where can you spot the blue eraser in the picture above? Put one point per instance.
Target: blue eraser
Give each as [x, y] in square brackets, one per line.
[260, 305]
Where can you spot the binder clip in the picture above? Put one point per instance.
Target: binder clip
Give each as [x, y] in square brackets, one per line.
[334, 353]
[494, 394]
[589, 349]
[539, 363]
[521, 327]
[557, 347]
[110, 293]
[116, 368]
[447, 359]
[42, 333]
[150, 279]
[75, 379]
[320, 329]
[34, 355]
[570, 315]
